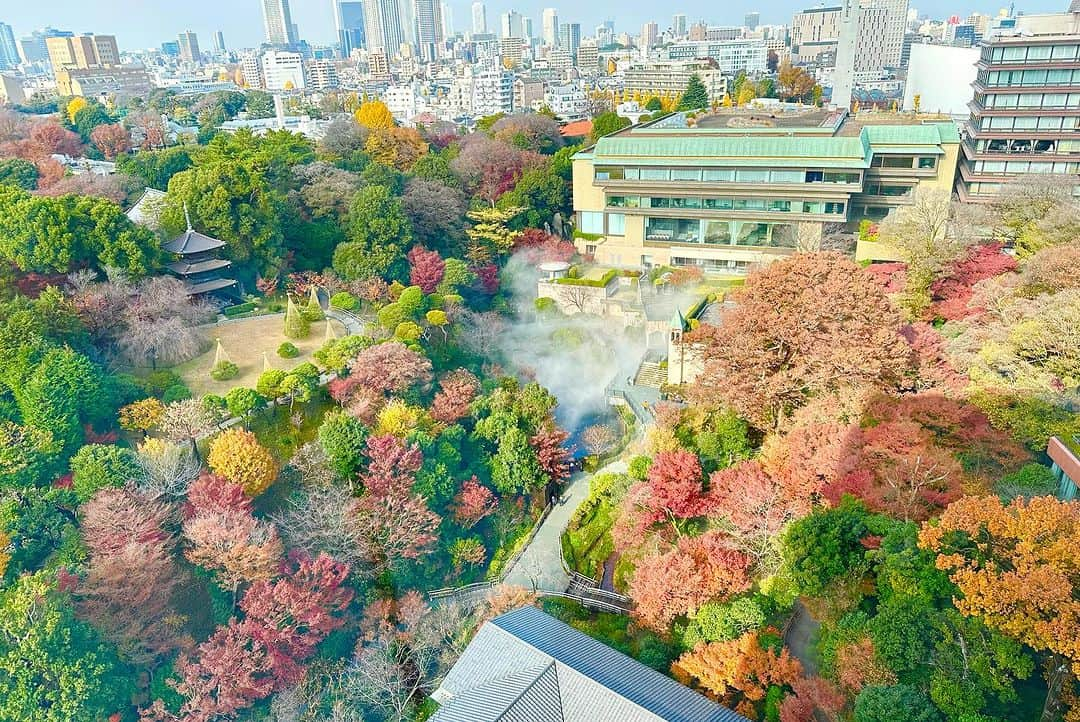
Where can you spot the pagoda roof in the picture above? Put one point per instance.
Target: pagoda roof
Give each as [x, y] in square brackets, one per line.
[191, 241]
[194, 289]
[182, 268]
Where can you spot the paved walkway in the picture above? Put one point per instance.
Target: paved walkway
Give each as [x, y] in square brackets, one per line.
[540, 567]
[353, 325]
[800, 637]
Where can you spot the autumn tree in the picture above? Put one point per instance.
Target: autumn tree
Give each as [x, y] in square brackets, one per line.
[436, 213]
[678, 581]
[805, 326]
[426, 268]
[112, 140]
[389, 367]
[456, 391]
[793, 82]
[739, 671]
[142, 415]
[1017, 567]
[374, 115]
[473, 502]
[239, 457]
[397, 148]
[1036, 211]
[392, 465]
[131, 574]
[549, 444]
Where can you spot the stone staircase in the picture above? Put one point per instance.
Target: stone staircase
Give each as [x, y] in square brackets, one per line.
[650, 374]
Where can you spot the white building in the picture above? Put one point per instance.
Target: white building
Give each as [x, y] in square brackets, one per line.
[283, 70]
[479, 18]
[941, 77]
[731, 56]
[403, 101]
[567, 102]
[549, 27]
[492, 92]
[251, 70]
[322, 74]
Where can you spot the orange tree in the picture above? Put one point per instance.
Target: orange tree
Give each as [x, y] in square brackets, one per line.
[1017, 567]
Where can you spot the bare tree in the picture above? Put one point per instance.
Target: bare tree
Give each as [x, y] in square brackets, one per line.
[481, 331]
[168, 469]
[574, 298]
[312, 464]
[161, 323]
[598, 438]
[1034, 211]
[324, 519]
[187, 420]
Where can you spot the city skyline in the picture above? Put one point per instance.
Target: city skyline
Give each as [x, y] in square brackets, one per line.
[242, 21]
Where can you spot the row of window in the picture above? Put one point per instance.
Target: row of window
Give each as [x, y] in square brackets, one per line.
[726, 175]
[593, 222]
[1029, 78]
[886, 189]
[920, 162]
[1042, 123]
[1023, 166]
[1029, 101]
[713, 265]
[721, 232]
[727, 204]
[1030, 54]
[1025, 146]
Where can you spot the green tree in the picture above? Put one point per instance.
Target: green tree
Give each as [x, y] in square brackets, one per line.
[18, 172]
[27, 457]
[895, 703]
[514, 467]
[230, 201]
[541, 192]
[260, 104]
[823, 547]
[242, 401]
[607, 123]
[344, 439]
[695, 97]
[53, 667]
[96, 466]
[378, 234]
[654, 104]
[88, 118]
[155, 167]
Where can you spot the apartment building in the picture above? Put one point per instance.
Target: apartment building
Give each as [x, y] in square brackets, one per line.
[735, 192]
[82, 51]
[1025, 114]
[671, 78]
[731, 56]
[283, 70]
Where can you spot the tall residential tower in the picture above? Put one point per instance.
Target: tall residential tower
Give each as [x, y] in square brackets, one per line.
[277, 20]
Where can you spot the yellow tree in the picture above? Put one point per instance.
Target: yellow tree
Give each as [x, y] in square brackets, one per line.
[374, 114]
[141, 415]
[1018, 569]
[746, 94]
[74, 107]
[396, 147]
[239, 457]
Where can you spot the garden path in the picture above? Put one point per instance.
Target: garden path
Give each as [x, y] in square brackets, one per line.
[540, 566]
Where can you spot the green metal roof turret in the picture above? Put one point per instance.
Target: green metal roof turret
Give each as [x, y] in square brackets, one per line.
[678, 321]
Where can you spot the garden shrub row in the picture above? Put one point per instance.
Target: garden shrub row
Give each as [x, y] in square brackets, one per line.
[239, 309]
[601, 282]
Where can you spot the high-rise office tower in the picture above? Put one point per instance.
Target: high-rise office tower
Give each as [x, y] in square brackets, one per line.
[510, 24]
[752, 20]
[549, 27]
[844, 73]
[479, 18]
[9, 51]
[219, 42]
[349, 23]
[447, 21]
[429, 30]
[527, 29]
[894, 26]
[650, 31]
[678, 25]
[277, 20]
[570, 37]
[384, 25]
[189, 47]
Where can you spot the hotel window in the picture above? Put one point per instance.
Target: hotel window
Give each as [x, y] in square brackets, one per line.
[787, 176]
[677, 230]
[632, 173]
[719, 176]
[752, 176]
[748, 204]
[717, 204]
[655, 174]
[815, 176]
[839, 177]
[812, 207]
[616, 224]
[624, 201]
[893, 161]
[684, 174]
[833, 207]
[717, 232]
[592, 222]
[780, 206]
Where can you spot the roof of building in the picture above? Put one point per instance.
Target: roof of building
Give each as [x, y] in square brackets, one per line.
[181, 268]
[733, 149]
[527, 665]
[577, 129]
[146, 210]
[194, 289]
[191, 241]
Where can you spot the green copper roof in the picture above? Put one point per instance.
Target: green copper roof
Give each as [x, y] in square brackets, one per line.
[929, 134]
[717, 147]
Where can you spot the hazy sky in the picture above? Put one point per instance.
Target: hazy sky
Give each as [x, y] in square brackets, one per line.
[146, 23]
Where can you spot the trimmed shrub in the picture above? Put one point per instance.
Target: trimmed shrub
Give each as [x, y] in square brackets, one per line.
[269, 383]
[288, 350]
[345, 301]
[242, 401]
[176, 392]
[224, 370]
[239, 309]
[312, 312]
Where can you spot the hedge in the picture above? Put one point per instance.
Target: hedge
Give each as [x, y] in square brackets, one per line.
[587, 236]
[239, 309]
[602, 282]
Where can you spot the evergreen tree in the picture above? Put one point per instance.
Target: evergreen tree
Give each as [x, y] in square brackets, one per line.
[695, 96]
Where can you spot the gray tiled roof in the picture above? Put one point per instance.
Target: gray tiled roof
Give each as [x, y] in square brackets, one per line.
[192, 242]
[526, 666]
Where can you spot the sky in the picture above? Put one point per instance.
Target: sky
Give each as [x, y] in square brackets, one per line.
[146, 23]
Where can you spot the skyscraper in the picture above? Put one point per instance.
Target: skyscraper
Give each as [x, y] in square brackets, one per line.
[278, 22]
[82, 51]
[527, 29]
[570, 37]
[447, 21]
[549, 27]
[219, 42]
[9, 51]
[649, 33]
[479, 17]
[844, 73]
[429, 29]
[384, 25]
[678, 25]
[349, 23]
[752, 20]
[189, 47]
[510, 24]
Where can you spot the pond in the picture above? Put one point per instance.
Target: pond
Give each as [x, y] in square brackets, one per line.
[576, 423]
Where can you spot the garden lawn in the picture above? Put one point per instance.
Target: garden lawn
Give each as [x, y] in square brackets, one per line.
[245, 341]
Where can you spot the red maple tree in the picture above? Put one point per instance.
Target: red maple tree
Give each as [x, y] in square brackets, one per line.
[473, 502]
[426, 268]
[456, 392]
